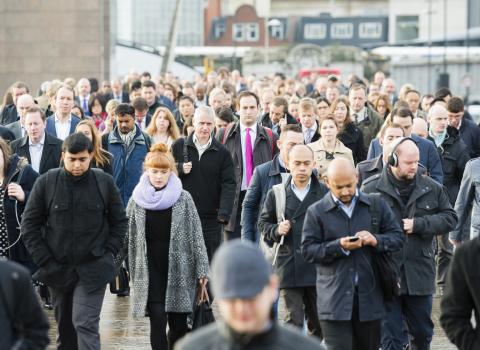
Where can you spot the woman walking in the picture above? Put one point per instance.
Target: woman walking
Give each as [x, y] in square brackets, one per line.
[167, 254]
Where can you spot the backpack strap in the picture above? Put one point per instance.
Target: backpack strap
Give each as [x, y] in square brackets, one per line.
[102, 187]
[270, 136]
[375, 212]
[185, 151]
[226, 131]
[280, 201]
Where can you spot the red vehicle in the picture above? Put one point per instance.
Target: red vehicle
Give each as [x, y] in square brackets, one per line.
[321, 71]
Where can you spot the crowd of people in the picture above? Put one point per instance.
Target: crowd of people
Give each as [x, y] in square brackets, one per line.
[335, 206]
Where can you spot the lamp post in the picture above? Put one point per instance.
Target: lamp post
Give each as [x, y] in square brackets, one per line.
[269, 23]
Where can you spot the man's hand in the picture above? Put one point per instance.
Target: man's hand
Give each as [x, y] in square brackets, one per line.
[187, 167]
[284, 227]
[367, 238]
[455, 242]
[347, 245]
[408, 226]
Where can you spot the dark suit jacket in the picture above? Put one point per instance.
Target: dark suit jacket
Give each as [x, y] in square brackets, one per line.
[16, 129]
[9, 114]
[470, 134]
[51, 154]
[125, 97]
[50, 129]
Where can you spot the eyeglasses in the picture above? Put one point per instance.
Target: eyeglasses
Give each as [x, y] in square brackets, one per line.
[329, 156]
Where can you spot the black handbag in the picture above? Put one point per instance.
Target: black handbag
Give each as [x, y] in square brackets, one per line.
[385, 268]
[119, 285]
[203, 313]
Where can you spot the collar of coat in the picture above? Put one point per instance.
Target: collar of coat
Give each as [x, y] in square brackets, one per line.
[213, 145]
[330, 205]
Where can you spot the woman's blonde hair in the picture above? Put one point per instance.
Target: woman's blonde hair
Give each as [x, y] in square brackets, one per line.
[172, 127]
[160, 157]
[99, 155]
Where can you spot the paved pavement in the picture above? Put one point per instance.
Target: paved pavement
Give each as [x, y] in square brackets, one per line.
[120, 332]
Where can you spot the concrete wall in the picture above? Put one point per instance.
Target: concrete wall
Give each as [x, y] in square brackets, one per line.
[42, 40]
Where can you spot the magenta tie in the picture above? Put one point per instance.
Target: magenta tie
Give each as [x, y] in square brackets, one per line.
[248, 156]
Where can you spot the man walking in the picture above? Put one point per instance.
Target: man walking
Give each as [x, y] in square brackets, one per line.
[423, 209]
[340, 238]
[297, 278]
[206, 169]
[73, 226]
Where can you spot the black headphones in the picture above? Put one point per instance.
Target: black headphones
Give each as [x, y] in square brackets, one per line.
[393, 158]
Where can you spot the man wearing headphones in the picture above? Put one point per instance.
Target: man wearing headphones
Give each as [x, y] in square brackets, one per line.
[423, 209]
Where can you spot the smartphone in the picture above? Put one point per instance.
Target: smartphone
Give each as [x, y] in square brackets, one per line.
[353, 239]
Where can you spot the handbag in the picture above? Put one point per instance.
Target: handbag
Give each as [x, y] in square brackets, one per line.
[119, 285]
[385, 268]
[203, 313]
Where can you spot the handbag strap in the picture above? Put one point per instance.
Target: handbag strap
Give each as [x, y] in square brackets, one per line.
[202, 294]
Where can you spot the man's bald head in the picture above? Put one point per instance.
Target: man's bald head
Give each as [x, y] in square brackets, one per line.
[408, 157]
[420, 127]
[437, 109]
[24, 102]
[340, 167]
[301, 164]
[342, 179]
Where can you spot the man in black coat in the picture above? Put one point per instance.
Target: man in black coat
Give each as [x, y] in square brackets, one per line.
[277, 116]
[469, 131]
[9, 113]
[73, 226]
[43, 151]
[250, 145]
[205, 168]
[454, 155]
[341, 238]
[23, 324]
[297, 278]
[423, 209]
[462, 297]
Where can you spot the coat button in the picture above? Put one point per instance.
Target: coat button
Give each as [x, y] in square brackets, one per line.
[428, 207]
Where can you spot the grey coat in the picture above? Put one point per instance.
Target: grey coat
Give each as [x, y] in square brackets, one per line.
[468, 198]
[187, 260]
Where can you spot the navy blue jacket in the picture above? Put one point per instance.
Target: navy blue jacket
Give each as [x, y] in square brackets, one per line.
[127, 161]
[50, 128]
[264, 177]
[470, 134]
[325, 223]
[428, 156]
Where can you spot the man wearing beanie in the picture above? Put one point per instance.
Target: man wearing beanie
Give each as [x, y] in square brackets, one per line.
[245, 289]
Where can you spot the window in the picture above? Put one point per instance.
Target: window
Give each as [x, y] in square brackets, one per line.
[473, 11]
[341, 30]
[219, 29]
[252, 31]
[245, 32]
[237, 32]
[370, 30]
[277, 32]
[406, 28]
[315, 31]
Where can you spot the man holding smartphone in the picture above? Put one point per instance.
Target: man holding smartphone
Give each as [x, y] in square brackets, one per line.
[337, 237]
[278, 116]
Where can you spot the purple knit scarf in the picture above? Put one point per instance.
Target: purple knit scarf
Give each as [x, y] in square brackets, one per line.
[147, 197]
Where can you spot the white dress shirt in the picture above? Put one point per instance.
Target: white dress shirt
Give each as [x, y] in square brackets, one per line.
[36, 150]
[301, 193]
[201, 148]
[63, 128]
[253, 136]
[309, 133]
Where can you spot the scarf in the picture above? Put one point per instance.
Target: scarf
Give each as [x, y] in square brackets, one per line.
[127, 138]
[403, 187]
[439, 138]
[147, 197]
